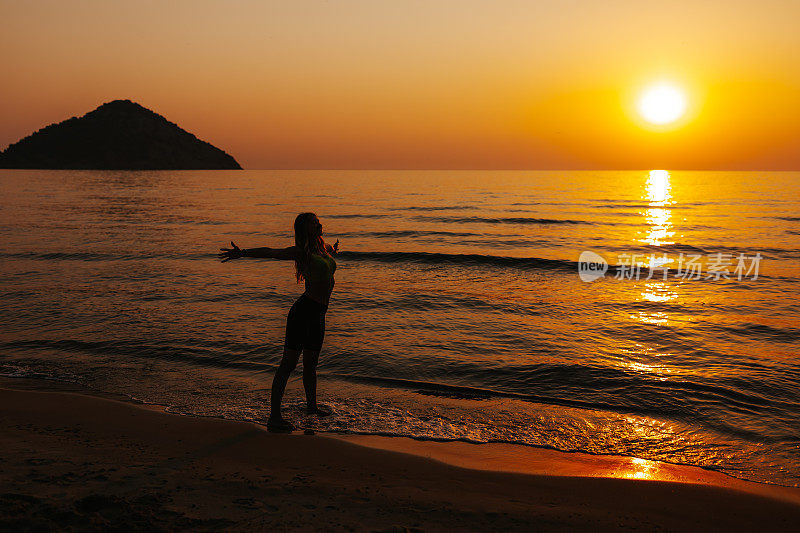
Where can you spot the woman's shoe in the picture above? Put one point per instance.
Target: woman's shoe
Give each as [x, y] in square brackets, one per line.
[319, 411]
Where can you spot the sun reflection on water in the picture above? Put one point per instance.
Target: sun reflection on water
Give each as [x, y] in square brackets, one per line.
[643, 360]
[658, 291]
[655, 292]
[645, 357]
[658, 318]
[658, 193]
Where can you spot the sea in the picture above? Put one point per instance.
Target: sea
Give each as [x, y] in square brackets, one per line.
[651, 314]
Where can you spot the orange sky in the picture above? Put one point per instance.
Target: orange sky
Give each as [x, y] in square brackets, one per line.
[421, 84]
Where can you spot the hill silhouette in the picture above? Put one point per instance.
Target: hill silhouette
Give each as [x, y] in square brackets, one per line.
[118, 135]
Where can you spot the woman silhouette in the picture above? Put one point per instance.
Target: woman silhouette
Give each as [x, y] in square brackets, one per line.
[305, 325]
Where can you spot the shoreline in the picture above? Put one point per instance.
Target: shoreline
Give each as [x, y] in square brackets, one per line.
[84, 459]
[491, 456]
[530, 460]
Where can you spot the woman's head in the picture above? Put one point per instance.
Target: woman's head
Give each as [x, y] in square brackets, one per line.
[307, 239]
[307, 228]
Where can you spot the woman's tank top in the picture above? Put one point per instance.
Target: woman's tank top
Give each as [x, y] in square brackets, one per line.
[320, 268]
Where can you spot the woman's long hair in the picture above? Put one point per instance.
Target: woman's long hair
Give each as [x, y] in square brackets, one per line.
[305, 243]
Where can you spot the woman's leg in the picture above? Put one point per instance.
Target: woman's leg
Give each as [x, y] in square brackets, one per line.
[288, 362]
[316, 335]
[310, 360]
[294, 338]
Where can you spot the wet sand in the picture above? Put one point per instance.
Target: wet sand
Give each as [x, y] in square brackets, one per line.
[76, 461]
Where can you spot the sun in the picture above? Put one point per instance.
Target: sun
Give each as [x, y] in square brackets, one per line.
[662, 104]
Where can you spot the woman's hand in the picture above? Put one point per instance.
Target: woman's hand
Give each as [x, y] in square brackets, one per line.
[226, 254]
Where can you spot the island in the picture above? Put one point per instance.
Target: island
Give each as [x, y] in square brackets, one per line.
[118, 135]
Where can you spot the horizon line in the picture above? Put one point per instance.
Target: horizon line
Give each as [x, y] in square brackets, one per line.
[416, 169]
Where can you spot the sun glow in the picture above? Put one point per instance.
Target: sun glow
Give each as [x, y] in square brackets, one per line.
[662, 104]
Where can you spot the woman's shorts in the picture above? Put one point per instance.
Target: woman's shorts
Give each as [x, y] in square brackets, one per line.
[305, 325]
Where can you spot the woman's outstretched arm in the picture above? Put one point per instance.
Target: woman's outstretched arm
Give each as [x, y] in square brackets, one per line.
[226, 254]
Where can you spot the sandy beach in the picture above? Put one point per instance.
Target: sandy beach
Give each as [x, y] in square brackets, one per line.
[73, 461]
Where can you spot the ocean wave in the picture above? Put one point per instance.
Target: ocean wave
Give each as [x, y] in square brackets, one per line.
[100, 256]
[599, 390]
[434, 208]
[709, 250]
[461, 259]
[382, 257]
[408, 233]
[208, 354]
[430, 258]
[639, 206]
[501, 220]
[358, 215]
[576, 385]
[520, 263]
[764, 332]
